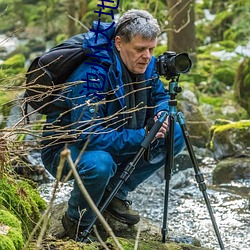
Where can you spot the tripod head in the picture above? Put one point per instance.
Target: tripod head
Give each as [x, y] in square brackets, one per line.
[174, 89]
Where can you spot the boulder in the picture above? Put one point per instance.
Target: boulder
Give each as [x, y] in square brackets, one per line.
[231, 169]
[149, 238]
[230, 140]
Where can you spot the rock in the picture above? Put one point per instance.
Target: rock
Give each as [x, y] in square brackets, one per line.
[197, 125]
[149, 238]
[232, 139]
[231, 169]
[181, 179]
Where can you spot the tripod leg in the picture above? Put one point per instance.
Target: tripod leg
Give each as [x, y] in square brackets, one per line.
[199, 176]
[168, 173]
[129, 168]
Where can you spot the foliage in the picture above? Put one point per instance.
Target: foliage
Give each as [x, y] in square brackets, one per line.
[242, 84]
[13, 238]
[22, 200]
[227, 21]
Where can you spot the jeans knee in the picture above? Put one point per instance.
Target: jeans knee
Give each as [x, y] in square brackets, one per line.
[98, 165]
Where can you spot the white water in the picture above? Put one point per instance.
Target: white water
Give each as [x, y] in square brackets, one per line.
[188, 215]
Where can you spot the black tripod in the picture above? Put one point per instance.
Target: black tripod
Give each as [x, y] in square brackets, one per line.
[173, 90]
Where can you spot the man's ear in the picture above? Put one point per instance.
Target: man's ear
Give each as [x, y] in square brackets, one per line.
[118, 42]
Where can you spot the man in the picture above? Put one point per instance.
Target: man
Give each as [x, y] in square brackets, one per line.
[108, 114]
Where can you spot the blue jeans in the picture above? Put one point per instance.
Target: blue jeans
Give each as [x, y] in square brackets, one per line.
[100, 170]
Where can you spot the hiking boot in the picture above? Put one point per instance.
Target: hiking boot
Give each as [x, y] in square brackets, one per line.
[121, 211]
[75, 231]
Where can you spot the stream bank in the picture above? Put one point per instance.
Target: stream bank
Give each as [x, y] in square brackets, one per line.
[188, 216]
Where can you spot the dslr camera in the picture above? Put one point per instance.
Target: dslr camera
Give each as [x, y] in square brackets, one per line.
[171, 65]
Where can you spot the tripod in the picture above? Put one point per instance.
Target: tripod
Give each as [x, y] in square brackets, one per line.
[173, 90]
[169, 163]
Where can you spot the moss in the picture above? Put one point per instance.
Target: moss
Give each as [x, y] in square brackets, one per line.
[212, 100]
[22, 200]
[16, 61]
[13, 239]
[242, 84]
[128, 244]
[6, 243]
[16, 237]
[8, 219]
[236, 125]
[225, 75]
[220, 131]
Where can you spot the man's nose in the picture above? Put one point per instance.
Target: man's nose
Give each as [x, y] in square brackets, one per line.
[146, 54]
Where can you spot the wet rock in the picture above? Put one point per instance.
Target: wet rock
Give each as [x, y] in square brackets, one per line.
[231, 169]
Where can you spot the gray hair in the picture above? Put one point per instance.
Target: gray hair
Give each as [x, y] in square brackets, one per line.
[137, 22]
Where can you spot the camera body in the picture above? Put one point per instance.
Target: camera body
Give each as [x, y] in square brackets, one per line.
[171, 65]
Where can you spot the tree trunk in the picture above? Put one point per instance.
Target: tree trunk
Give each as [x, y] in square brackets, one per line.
[83, 8]
[72, 13]
[181, 27]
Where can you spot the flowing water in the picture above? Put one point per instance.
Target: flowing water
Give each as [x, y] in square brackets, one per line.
[187, 212]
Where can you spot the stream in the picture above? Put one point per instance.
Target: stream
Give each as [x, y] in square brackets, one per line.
[187, 212]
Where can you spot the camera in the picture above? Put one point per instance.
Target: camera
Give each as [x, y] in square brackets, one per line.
[171, 65]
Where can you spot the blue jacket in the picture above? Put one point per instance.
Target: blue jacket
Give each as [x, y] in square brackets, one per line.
[95, 98]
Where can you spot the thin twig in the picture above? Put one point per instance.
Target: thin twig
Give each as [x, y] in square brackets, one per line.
[138, 236]
[66, 154]
[99, 238]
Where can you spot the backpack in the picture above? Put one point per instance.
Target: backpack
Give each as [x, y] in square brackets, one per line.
[47, 74]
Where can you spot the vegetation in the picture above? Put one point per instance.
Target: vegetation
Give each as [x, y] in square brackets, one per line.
[214, 33]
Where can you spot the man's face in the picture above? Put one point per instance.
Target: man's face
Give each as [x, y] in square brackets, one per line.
[137, 53]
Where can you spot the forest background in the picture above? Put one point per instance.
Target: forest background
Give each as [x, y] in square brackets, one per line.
[214, 33]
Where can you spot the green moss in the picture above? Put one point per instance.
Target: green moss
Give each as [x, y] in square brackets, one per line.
[225, 75]
[9, 219]
[13, 238]
[22, 200]
[16, 61]
[16, 237]
[236, 125]
[6, 243]
[128, 244]
[212, 100]
[239, 128]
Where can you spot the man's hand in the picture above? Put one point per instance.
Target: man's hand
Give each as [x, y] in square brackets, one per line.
[164, 128]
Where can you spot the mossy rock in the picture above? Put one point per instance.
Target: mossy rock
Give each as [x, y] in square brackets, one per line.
[11, 237]
[219, 107]
[232, 139]
[128, 244]
[21, 199]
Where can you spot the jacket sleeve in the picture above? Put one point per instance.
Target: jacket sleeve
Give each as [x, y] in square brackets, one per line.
[88, 117]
